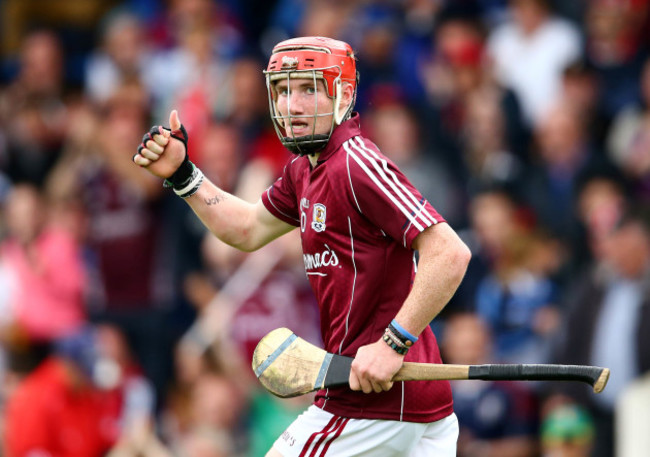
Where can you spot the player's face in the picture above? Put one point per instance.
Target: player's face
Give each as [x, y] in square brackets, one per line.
[298, 102]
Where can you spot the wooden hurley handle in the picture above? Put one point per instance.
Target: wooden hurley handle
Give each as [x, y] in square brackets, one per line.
[412, 371]
[595, 376]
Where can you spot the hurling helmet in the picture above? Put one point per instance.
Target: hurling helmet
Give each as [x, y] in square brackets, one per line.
[314, 58]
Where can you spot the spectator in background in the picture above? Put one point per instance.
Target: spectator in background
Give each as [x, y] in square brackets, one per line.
[133, 292]
[194, 63]
[180, 15]
[217, 406]
[375, 36]
[130, 395]
[580, 89]
[219, 153]
[487, 156]
[44, 262]
[121, 58]
[608, 321]
[249, 108]
[510, 279]
[74, 22]
[628, 141]
[198, 77]
[567, 431]
[205, 406]
[33, 111]
[497, 419]
[88, 397]
[325, 18]
[448, 74]
[519, 302]
[494, 219]
[615, 33]
[602, 200]
[454, 76]
[564, 154]
[530, 52]
[56, 410]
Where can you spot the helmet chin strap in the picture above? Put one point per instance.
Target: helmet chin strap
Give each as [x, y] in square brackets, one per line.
[338, 117]
[306, 145]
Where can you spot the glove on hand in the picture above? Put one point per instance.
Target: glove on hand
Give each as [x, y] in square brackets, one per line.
[183, 174]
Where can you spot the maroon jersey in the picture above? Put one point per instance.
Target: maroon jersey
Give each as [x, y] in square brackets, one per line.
[358, 215]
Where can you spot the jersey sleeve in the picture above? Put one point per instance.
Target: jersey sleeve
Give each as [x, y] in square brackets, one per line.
[280, 198]
[385, 196]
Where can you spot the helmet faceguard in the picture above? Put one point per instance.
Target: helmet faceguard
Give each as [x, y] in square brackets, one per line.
[316, 59]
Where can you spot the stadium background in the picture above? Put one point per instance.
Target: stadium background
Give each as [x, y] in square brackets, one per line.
[524, 122]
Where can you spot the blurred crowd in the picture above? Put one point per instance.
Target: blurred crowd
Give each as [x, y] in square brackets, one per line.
[127, 330]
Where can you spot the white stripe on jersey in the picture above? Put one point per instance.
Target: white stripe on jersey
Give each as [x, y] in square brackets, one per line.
[421, 211]
[354, 283]
[370, 174]
[406, 230]
[268, 194]
[347, 163]
[401, 408]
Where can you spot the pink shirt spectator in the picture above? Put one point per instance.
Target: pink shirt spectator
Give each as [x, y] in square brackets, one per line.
[47, 300]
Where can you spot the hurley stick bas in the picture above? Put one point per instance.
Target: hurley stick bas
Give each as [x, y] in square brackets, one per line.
[288, 366]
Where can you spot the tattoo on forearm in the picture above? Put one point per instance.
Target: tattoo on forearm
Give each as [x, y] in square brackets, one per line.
[219, 197]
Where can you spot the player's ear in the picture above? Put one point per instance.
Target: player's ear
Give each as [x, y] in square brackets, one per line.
[347, 95]
[343, 100]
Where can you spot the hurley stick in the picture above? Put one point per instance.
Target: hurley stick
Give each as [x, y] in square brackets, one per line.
[288, 366]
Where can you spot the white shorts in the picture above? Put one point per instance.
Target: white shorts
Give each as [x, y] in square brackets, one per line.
[317, 433]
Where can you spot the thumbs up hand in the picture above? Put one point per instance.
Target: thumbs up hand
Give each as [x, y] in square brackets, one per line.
[163, 150]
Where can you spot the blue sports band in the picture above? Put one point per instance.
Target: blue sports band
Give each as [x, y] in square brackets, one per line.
[404, 332]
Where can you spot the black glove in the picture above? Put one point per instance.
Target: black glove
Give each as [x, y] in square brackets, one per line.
[183, 174]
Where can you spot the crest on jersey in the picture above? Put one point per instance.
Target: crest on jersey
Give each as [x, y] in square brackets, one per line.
[318, 221]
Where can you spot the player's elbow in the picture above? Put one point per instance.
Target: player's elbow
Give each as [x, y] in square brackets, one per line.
[240, 238]
[248, 246]
[246, 242]
[443, 246]
[462, 256]
[457, 257]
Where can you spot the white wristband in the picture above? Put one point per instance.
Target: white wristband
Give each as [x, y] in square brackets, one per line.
[193, 186]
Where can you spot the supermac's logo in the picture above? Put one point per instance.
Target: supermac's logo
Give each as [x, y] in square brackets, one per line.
[326, 258]
[318, 221]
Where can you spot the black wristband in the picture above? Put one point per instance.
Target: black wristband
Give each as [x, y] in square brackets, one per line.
[182, 176]
[394, 345]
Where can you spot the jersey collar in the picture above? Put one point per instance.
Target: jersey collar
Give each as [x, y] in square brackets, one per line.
[341, 134]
